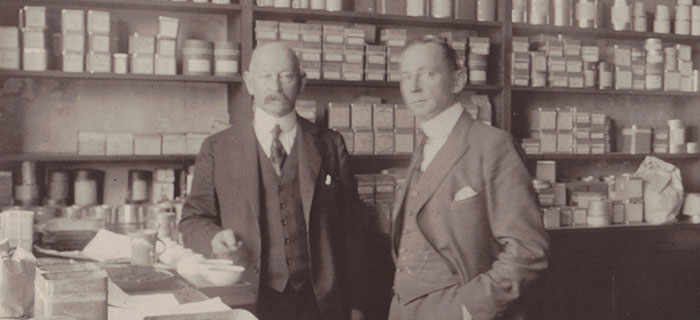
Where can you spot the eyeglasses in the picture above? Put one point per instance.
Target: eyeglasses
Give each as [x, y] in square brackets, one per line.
[420, 74]
[285, 77]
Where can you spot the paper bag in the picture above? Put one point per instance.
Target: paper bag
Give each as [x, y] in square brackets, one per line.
[663, 190]
[17, 284]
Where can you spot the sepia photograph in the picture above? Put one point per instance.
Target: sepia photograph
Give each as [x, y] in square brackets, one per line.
[349, 159]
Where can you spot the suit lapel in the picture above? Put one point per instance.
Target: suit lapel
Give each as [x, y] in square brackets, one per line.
[309, 164]
[240, 161]
[444, 160]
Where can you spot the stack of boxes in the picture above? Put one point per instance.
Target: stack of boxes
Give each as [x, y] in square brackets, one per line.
[638, 68]
[672, 78]
[226, 57]
[33, 26]
[353, 54]
[682, 17]
[333, 46]
[662, 19]
[627, 196]
[639, 17]
[312, 48]
[654, 64]
[574, 63]
[591, 57]
[567, 130]
[99, 57]
[165, 63]
[378, 191]
[266, 31]
[9, 48]
[521, 62]
[72, 44]
[623, 67]
[685, 67]
[695, 20]
[142, 53]
[477, 62]
[394, 40]
[371, 127]
[375, 62]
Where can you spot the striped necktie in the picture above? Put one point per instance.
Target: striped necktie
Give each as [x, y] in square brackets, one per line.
[277, 152]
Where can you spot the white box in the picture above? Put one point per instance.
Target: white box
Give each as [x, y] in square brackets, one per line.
[166, 47]
[142, 63]
[98, 22]
[164, 175]
[174, 143]
[91, 143]
[165, 65]
[147, 144]
[72, 20]
[9, 59]
[120, 144]
[99, 43]
[72, 62]
[9, 37]
[168, 27]
[98, 62]
[140, 44]
[194, 141]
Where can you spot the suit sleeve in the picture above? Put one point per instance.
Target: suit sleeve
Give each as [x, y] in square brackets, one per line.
[200, 214]
[516, 224]
[355, 222]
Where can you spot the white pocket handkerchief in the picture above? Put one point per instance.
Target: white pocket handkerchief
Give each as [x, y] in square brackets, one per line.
[464, 193]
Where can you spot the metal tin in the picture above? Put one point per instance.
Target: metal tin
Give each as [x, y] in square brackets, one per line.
[445, 9]
[59, 185]
[85, 188]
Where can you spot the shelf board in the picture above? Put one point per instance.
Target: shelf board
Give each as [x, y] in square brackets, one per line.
[384, 84]
[604, 92]
[114, 76]
[71, 157]
[611, 156]
[373, 18]
[626, 227]
[165, 5]
[524, 29]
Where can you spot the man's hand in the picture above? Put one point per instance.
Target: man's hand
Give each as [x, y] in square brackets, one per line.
[356, 314]
[225, 246]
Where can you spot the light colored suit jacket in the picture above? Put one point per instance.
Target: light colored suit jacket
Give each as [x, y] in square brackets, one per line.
[226, 193]
[476, 195]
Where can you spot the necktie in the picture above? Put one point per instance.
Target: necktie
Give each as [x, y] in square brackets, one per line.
[277, 152]
[423, 139]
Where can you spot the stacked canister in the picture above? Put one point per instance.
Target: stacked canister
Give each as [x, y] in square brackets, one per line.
[682, 22]
[662, 20]
[586, 13]
[99, 57]
[197, 56]
[226, 57]
[590, 56]
[621, 15]
[639, 17]
[562, 12]
[638, 68]
[9, 48]
[165, 45]
[655, 64]
[695, 20]
[27, 192]
[33, 25]
[599, 213]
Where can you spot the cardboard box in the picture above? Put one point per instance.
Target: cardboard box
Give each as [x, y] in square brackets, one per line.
[567, 216]
[77, 289]
[72, 62]
[98, 22]
[332, 70]
[72, 42]
[383, 142]
[546, 170]
[552, 218]
[166, 47]
[92, 143]
[383, 117]
[634, 211]
[174, 143]
[96, 62]
[147, 144]
[333, 34]
[364, 142]
[120, 144]
[338, 115]
[361, 117]
[404, 118]
[33, 39]
[100, 43]
[165, 65]
[72, 20]
[194, 141]
[32, 17]
[580, 216]
[142, 63]
[141, 44]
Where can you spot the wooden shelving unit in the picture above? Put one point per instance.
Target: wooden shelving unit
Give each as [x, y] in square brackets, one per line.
[524, 29]
[164, 5]
[113, 76]
[593, 91]
[611, 156]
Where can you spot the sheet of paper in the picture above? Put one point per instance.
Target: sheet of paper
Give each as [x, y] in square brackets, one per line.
[126, 312]
[107, 245]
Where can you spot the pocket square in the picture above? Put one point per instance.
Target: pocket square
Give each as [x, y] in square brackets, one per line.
[464, 193]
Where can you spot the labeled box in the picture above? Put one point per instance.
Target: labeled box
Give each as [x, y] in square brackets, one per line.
[383, 142]
[142, 63]
[332, 70]
[147, 144]
[72, 20]
[383, 117]
[165, 65]
[120, 144]
[166, 47]
[97, 62]
[174, 143]
[361, 117]
[364, 142]
[338, 115]
[140, 44]
[98, 22]
[92, 143]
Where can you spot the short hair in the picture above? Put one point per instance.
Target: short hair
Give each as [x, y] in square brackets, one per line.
[448, 53]
[284, 49]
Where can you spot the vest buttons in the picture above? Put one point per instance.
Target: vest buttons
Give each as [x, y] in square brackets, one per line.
[283, 205]
[284, 222]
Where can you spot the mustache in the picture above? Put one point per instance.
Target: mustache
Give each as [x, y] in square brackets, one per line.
[275, 98]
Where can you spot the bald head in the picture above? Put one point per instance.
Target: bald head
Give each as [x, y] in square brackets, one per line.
[273, 52]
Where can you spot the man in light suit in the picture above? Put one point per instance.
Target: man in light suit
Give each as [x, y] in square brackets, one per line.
[468, 237]
[276, 194]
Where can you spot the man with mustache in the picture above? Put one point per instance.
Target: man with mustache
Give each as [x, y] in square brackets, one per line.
[467, 234]
[276, 194]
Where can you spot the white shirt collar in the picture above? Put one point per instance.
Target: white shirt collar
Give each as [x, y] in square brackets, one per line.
[440, 126]
[265, 122]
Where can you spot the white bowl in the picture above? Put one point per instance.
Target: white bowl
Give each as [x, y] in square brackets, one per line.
[222, 275]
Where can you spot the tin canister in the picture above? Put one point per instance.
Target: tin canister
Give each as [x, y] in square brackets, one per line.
[562, 12]
[85, 188]
[28, 172]
[445, 8]
[59, 185]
